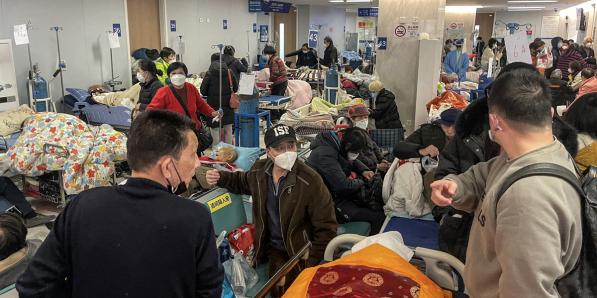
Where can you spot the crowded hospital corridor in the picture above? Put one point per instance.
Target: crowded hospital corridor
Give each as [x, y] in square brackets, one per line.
[298, 148]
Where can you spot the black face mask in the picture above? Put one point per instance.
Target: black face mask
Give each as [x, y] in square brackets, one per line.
[182, 186]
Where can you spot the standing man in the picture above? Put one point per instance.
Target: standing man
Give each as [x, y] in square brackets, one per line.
[456, 61]
[291, 204]
[522, 244]
[138, 239]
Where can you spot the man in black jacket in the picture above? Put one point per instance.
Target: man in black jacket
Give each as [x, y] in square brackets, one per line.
[335, 161]
[235, 65]
[306, 57]
[138, 239]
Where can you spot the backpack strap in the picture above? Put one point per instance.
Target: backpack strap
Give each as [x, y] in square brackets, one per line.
[184, 106]
[540, 169]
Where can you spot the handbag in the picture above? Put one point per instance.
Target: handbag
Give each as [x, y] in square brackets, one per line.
[205, 139]
[234, 98]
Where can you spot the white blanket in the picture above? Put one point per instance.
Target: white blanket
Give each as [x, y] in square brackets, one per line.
[403, 190]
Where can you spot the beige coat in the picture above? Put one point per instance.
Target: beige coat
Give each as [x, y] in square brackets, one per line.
[587, 152]
[534, 236]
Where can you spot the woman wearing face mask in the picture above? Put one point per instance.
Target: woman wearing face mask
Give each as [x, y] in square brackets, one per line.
[488, 53]
[167, 56]
[586, 50]
[307, 57]
[277, 71]
[567, 56]
[181, 97]
[147, 76]
[383, 105]
[330, 56]
[371, 155]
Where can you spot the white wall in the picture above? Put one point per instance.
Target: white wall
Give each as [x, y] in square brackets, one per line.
[83, 41]
[351, 22]
[332, 21]
[302, 24]
[200, 36]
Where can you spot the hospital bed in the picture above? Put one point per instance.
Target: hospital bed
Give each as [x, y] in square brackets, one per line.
[8, 141]
[80, 102]
[274, 102]
[438, 266]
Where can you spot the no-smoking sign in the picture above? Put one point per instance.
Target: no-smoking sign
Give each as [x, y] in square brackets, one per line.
[400, 31]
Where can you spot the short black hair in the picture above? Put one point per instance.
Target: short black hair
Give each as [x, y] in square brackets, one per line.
[176, 65]
[587, 73]
[448, 41]
[305, 45]
[269, 50]
[522, 97]
[154, 134]
[575, 66]
[353, 140]
[491, 42]
[229, 50]
[149, 66]
[13, 234]
[215, 57]
[479, 38]
[166, 52]
[516, 66]
[581, 114]
[328, 40]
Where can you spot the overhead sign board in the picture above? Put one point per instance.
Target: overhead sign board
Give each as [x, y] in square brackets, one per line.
[368, 12]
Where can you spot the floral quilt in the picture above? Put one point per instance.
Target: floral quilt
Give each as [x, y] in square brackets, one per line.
[52, 142]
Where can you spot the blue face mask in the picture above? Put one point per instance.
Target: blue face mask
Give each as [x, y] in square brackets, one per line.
[374, 95]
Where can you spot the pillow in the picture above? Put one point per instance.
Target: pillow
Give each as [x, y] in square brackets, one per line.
[246, 156]
[12, 120]
[80, 95]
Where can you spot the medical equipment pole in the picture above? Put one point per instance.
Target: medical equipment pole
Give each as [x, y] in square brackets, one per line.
[56, 28]
[180, 47]
[250, 68]
[29, 53]
[221, 48]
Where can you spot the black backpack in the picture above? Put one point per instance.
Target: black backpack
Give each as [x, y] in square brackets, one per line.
[581, 281]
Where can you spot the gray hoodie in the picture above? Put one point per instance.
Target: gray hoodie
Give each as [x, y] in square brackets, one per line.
[533, 237]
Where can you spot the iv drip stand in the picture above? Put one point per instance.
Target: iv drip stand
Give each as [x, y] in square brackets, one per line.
[29, 52]
[180, 47]
[56, 29]
[250, 68]
[112, 82]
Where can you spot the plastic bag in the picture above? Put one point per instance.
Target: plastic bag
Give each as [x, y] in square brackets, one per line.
[391, 240]
[242, 275]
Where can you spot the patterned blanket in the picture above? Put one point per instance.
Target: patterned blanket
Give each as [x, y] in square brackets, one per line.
[52, 142]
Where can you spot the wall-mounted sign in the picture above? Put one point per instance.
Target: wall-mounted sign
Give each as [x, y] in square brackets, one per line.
[275, 6]
[263, 33]
[255, 6]
[382, 43]
[368, 12]
[225, 24]
[313, 38]
[400, 31]
[172, 25]
[455, 31]
[254, 27]
[116, 29]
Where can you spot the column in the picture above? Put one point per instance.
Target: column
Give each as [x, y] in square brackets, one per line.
[399, 65]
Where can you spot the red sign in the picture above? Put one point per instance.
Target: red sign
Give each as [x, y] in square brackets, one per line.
[400, 31]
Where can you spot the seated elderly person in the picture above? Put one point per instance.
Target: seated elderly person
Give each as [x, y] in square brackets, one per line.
[371, 155]
[430, 138]
[15, 252]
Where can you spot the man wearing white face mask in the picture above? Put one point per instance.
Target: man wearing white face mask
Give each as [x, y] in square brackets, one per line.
[291, 204]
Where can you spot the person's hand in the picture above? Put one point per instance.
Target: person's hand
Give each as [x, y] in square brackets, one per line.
[212, 177]
[368, 175]
[216, 114]
[430, 150]
[383, 166]
[442, 192]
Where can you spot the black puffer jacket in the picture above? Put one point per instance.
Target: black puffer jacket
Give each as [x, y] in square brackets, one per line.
[329, 161]
[210, 89]
[235, 65]
[148, 91]
[426, 135]
[385, 112]
[372, 155]
[330, 56]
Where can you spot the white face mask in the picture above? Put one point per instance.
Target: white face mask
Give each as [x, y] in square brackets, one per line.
[589, 45]
[374, 95]
[178, 80]
[352, 156]
[172, 60]
[453, 48]
[560, 44]
[286, 160]
[362, 123]
[494, 46]
[140, 77]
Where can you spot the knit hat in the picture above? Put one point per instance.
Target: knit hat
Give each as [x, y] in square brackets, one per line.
[375, 86]
[358, 110]
[449, 116]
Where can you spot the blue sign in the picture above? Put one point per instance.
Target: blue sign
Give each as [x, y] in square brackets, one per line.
[225, 24]
[263, 34]
[254, 27]
[313, 38]
[368, 12]
[116, 29]
[255, 6]
[275, 6]
[172, 25]
[382, 43]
